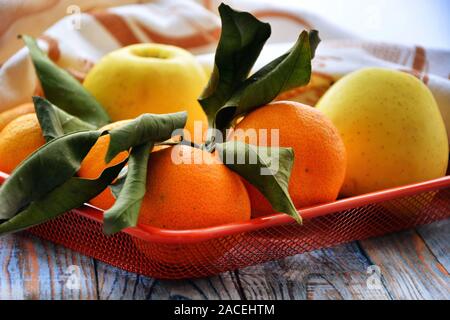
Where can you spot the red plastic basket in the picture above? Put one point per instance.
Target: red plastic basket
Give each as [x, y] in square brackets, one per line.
[172, 254]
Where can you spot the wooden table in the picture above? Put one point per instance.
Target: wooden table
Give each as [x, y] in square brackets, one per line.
[413, 264]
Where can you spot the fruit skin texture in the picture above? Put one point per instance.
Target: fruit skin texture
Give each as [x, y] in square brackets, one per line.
[320, 159]
[391, 127]
[195, 191]
[94, 163]
[18, 140]
[148, 78]
[13, 113]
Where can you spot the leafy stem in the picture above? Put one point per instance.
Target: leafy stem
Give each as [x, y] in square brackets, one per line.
[231, 93]
[63, 90]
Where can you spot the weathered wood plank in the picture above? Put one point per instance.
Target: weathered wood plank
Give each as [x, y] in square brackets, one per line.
[437, 238]
[334, 273]
[409, 268]
[35, 269]
[114, 284]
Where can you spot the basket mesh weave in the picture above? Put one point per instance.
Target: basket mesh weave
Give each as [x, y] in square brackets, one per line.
[209, 257]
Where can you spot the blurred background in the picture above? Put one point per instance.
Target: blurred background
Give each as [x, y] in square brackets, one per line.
[400, 21]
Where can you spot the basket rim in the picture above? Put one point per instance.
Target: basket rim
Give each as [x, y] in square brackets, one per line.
[154, 234]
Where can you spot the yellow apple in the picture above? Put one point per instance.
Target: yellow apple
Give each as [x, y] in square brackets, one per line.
[391, 127]
[148, 78]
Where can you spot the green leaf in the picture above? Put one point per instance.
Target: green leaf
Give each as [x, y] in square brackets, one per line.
[266, 168]
[143, 129]
[125, 211]
[56, 122]
[314, 41]
[291, 70]
[63, 90]
[241, 41]
[117, 186]
[44, 170]
[71, 194]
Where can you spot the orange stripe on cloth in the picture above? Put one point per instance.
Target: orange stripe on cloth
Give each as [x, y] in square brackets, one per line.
[198, 39]
[282, 14]
[420, 64]
[425, 78]
[53, 47]
[208, 4]
[420, 59]
[117, 26]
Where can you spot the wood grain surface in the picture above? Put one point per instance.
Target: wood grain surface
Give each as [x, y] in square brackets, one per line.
[412, 264]
[36, 269]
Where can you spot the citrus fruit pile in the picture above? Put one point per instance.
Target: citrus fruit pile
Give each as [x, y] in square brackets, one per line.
[147, 139]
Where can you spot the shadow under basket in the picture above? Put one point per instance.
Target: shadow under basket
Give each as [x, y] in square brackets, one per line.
[172, 254]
